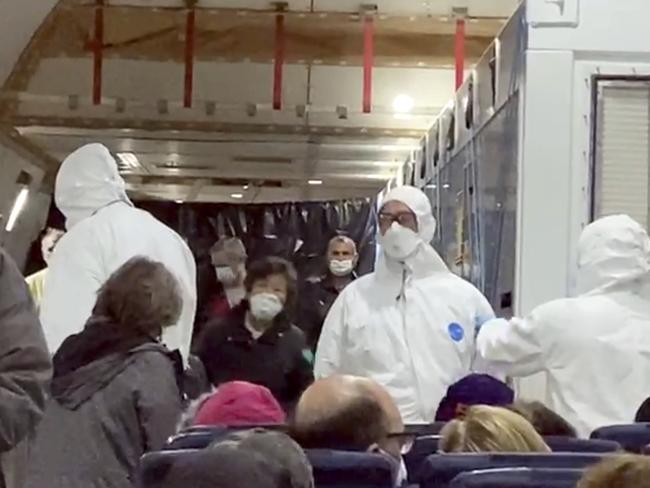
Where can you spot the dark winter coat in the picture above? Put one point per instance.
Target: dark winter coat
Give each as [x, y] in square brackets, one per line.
[25, 369]
[279, 359]
[105, 416]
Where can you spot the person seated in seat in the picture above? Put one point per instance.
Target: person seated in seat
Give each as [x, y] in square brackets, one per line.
[352, 413]
[643, 413]
[234, 404]
[256, 342]
[251, 459]
[491, 429]
[115, 389]
[618, 472]
[474, 389]
[545, 420]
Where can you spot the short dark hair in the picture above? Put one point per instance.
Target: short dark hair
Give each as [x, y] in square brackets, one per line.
[142, 295]
[545, 420]
[269, 266]
[643, 413]
[357, 426]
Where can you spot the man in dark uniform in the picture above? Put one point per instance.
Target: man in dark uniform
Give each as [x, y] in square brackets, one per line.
[321, 291]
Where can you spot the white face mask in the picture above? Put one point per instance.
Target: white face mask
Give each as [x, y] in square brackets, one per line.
[265, 306]
[341, 268]
[226, 275]
[399, 242]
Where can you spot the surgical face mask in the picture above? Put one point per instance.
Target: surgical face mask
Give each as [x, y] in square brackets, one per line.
[226, 275]
[265, 306]
[341, 268]
[399, 242]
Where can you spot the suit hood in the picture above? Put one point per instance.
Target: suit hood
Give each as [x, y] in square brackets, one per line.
[612, 251]
[88, 181]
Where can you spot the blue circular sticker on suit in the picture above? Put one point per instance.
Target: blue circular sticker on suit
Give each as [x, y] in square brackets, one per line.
[456, 332]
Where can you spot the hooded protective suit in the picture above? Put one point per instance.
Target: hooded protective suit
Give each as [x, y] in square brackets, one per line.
[105, 230]
[595, 348]
[410, 325]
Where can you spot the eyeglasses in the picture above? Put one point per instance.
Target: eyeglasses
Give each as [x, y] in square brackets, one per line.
[405, 219]
[405, 440]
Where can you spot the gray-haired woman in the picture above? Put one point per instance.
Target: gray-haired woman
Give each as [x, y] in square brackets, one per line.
[115, 393]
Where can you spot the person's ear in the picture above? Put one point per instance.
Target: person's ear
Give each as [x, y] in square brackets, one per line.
[374, 448]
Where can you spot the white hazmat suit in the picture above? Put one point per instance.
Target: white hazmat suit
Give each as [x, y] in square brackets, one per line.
[410, 325]
[595, 348]
[104, 231]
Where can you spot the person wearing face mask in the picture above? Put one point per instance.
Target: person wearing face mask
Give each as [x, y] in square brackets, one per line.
[321, 291]
[410, 325]
[36, 281]
[256, 341]
[226, 282]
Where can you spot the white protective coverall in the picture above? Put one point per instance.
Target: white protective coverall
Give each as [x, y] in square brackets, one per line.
[595, 348]
[410, 325]
[104, 231]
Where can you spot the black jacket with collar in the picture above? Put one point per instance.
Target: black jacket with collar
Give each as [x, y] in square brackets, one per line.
[316, 299]
[278, 359]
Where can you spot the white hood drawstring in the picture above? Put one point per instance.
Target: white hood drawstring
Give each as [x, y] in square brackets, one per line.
[88, 181]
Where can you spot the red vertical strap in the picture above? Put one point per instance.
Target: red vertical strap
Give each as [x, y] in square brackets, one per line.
[460, 52]
[190, 26]
[98, 52]
[368, 60]
[278, 62]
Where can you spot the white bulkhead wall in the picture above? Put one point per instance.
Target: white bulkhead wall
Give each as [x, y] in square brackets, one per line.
[569, 42]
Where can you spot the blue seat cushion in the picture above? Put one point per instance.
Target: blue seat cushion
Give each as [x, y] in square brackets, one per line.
[518, 478]
[439, 470]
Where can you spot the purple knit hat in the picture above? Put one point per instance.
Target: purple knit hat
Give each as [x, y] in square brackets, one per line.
[475, 389]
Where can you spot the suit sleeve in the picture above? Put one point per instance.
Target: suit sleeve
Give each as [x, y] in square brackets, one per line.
[74, 277]
[25, 366]
[329, 353]
[514, 346]
[158, 400]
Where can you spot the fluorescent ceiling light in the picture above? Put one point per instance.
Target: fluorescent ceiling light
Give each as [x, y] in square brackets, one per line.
[129, 160]
[19, 204]
[446, 186]
[315, 182]
[403, 104]
[179, 201]
[237, 196]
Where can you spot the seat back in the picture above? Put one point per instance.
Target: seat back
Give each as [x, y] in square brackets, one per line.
[332, 469]
[192, 440]
[633, 437]
[433, 428]
[198, 437]
[439, 470]
[569, 444]
[423, 447]
[518, 478]
[350, 469]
